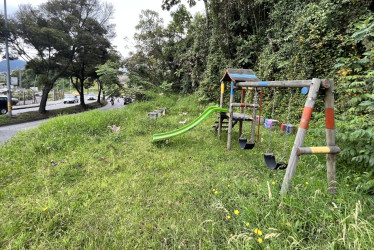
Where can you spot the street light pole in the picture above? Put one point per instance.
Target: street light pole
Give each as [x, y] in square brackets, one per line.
[7, 63]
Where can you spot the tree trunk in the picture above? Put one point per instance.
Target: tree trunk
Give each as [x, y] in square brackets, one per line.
[43, 102]
[100, 88]
[81, 93]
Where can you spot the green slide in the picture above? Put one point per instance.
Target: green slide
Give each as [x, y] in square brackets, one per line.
[188, 127]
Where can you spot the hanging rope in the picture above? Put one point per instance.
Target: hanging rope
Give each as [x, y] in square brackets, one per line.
[272, 115]
[259, 116]
[288, 122]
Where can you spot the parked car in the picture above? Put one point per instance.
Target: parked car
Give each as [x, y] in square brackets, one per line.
[14, 101]
[127, 100]
[70, 99]
[4, 103]
[91, 96]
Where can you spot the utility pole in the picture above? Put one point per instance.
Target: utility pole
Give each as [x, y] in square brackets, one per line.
[7, 63]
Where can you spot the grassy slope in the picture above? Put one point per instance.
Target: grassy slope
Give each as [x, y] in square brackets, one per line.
[74, 183]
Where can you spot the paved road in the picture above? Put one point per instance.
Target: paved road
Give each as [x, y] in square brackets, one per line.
[7, 132]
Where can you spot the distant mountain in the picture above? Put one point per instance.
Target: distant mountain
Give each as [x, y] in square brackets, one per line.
[14, 64]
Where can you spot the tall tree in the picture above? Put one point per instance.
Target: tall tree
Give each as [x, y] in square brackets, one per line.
[55, 30]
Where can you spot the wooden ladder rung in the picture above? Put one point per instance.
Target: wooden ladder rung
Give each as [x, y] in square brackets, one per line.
[318, 150]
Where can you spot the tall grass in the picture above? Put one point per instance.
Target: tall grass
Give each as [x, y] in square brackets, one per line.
[74, 183]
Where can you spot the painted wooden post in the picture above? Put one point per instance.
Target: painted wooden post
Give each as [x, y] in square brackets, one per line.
[259, 116]
[229, 130]
[330, 137]
[300, 136]
[221, 105]
[241, 111]
[254, 118]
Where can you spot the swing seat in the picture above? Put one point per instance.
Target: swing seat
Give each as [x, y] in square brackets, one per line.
[272, 164]
[244, 144]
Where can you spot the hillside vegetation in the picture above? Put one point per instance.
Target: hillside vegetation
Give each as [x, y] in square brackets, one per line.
[279, 40]
[74, 183]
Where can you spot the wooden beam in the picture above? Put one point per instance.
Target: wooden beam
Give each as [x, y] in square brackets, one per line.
[301, 133]
[271, 84]
[330, 138]
[242, 105]
[241, 111]
[252, 140]
[221, 105]
[318, 150]
[229, 131]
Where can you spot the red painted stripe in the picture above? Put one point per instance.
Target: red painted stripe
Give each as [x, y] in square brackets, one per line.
[330, 120]
[305, 118]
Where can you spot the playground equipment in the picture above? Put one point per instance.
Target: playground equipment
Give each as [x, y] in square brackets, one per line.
[245, 78]
[239, 75]
[188, 127]
[243, 143]
[269, 157]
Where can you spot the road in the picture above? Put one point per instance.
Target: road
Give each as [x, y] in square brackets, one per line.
[7, 132]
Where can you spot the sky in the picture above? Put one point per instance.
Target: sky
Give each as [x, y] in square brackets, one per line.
[126, 17]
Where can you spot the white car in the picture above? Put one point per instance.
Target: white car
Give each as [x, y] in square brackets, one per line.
[91, 97]
[70, 99]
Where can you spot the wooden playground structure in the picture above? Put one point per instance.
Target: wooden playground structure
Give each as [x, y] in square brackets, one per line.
[245, 80]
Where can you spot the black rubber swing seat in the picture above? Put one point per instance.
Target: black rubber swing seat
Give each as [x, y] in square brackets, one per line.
[244, 144]
[272, 164]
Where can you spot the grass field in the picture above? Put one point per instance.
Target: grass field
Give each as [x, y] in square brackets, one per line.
[73, 183]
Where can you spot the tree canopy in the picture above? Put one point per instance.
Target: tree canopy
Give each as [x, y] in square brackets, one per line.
[69, 37]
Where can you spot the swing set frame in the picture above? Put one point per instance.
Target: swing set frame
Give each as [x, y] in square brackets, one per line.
[314, 85]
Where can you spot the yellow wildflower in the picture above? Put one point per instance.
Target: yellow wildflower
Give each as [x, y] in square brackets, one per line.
[258, 231]
[45, 209]
[247, 224]
[216, 192]
[345, 73]
[273, 182]
[236, 212]
[231, 235]
[259, 240]
[213, 189]
[228, 185]
[228, 217]
[306, 183]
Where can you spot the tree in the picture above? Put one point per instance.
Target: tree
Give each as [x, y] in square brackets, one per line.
[55, 30]
[168, 4]
[146, 61]
[108, 77]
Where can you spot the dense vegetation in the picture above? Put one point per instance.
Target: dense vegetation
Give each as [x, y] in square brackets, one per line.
[280, 40]
[73, 183]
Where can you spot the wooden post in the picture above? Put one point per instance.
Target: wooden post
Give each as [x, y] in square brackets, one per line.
[254, 117]
[300, 136]
[330, 137]
[259, 116]
[229, 129]
[221, 105]
[241, 111]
